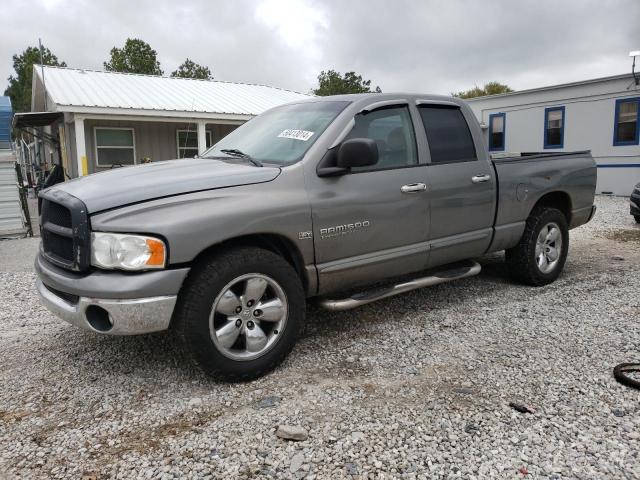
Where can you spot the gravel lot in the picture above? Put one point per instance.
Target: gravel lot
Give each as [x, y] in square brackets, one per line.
[417, 386]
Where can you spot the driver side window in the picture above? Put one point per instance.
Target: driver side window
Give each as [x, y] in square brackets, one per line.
[392, 130]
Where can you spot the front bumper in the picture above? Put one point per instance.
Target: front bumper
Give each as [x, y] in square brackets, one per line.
[116, 303]
[111, 316]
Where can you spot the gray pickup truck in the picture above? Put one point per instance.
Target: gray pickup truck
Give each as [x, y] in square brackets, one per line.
[345, 199]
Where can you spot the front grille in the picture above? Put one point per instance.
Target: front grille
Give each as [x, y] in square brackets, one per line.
[59, 215]
[60, 246]
[65, 230]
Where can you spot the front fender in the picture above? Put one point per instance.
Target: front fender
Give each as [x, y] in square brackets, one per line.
[193, 222]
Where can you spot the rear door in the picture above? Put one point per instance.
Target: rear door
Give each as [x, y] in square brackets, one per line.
[372, 223]
[461, 185]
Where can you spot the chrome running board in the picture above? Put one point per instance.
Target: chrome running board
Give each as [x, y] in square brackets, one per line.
[454, 272]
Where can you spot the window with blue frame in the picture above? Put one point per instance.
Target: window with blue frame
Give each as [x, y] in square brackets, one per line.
[554, 127]
[626, 121]
[497, 124]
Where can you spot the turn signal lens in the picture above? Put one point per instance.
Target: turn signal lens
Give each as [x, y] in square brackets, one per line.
[156, 248]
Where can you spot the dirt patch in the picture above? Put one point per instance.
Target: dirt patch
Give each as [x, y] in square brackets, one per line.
[13, 416]
[624, 235]
[147, 439]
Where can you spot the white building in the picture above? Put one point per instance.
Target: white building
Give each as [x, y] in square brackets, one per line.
[99, 120]
[601, 115]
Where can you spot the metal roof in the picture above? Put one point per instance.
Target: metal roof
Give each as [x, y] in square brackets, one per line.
[35, 119]
[554, 87]
[74, 89]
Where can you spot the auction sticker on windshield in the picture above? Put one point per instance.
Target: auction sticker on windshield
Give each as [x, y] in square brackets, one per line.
[303, 135]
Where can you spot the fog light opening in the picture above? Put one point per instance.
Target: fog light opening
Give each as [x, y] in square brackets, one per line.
[98, 318]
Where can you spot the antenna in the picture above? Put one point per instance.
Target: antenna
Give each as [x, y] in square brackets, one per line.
[44, 87]
[634, 54]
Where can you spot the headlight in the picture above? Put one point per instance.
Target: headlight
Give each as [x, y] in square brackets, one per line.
[127, 252]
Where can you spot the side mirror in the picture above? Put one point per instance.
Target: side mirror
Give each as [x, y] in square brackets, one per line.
[357, 152]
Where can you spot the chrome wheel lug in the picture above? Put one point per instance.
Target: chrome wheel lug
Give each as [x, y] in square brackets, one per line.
[250, 325]
[257, 312]
[238, 323]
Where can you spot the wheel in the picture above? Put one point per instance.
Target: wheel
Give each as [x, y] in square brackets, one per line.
[539, 257]
[637, 218]
[240, 312]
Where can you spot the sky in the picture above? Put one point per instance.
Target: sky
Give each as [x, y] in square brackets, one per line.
[400, 45]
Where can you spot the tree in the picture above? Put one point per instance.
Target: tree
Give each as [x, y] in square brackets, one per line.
[333, 83]
[190, 69]
[491, 88]
[136, 56]
[19, 89]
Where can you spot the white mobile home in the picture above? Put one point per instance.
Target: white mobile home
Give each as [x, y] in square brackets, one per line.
[601, 115]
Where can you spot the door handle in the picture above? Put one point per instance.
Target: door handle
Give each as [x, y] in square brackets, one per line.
[413, 188]
[480, 178]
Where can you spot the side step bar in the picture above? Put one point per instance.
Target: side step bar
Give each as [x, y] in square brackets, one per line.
[455, 272]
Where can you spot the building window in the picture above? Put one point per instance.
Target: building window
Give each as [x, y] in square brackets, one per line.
[187, 141]
[115, 146]
[448, 134]
[627, 118]
[554, 127]
[496, 131]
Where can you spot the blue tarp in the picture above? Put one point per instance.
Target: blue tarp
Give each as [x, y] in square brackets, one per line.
[6, 113]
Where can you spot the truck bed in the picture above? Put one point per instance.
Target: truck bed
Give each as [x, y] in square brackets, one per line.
[524, 179]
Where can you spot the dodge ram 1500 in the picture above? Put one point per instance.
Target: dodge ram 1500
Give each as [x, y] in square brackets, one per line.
[318, 199]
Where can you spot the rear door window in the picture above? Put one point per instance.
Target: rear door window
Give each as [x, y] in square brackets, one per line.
[448, 134]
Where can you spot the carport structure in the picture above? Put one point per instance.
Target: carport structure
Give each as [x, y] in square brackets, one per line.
[104, 119]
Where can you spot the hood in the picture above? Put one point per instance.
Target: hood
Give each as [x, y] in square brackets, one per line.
[127, 185]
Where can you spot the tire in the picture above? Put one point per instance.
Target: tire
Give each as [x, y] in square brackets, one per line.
[637, 218]
[223, 280]
[620, 374]
[524, 259]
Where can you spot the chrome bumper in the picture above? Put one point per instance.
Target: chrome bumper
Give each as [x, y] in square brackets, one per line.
[112, 316]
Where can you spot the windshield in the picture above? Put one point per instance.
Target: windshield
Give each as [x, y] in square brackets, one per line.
[281, 135]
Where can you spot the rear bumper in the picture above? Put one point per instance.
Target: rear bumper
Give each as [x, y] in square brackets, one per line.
[111, 316]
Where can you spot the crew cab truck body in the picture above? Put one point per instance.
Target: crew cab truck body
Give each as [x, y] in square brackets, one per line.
[311, 199]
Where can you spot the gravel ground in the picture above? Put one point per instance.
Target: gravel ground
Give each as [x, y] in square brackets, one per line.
[417, 386]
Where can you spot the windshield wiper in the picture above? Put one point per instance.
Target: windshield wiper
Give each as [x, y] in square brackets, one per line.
[239, 153]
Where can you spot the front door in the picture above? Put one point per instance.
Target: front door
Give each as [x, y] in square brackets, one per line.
[372, 223]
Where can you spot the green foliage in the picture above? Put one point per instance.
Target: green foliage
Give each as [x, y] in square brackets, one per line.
[491, 88]
[190, 69]
[19, 89]
[333, 83]
[136, 56]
